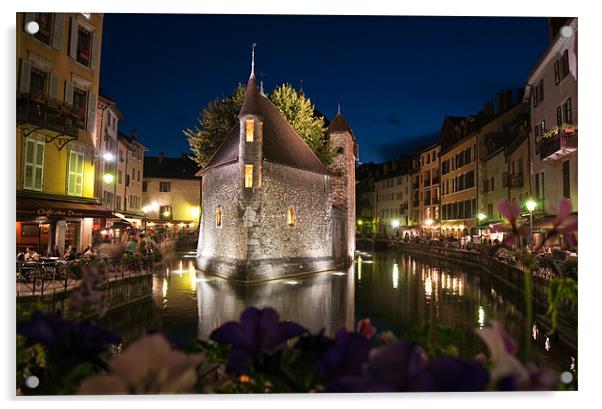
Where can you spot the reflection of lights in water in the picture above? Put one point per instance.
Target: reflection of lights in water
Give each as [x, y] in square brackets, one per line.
[573, 367]
[449, 282]
[167, 272]
[535, 331]
[461, 287]
[164, 288]
[428, 287]
[548, 345]
[443, 283]
[413, 266]
[455, 284]
[291, 282]
[359, 270]
[395, 275]
[339, 273]
[203, 280]
[481, 317]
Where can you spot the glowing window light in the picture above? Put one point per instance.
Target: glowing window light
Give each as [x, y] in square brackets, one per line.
[248, 176]
[250, 129]
[291, 217]
[218, 216]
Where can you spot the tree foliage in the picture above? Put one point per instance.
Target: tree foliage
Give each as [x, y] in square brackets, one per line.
[219, 117]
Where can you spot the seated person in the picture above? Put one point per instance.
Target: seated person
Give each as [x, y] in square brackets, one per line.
[31, 255]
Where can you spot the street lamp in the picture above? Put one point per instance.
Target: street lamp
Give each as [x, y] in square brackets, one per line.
[108, 178]
[108, 157]
[531, 205]
[481, 217]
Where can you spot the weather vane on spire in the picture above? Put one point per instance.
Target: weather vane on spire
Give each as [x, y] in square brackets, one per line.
[253, 59]
[338, 108]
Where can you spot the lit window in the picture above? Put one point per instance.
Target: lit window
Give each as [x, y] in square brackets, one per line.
[248, 175]
[250, 129]
[291, 217]
[218, 216]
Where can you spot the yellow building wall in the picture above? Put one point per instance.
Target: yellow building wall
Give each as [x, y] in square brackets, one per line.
[64, 67]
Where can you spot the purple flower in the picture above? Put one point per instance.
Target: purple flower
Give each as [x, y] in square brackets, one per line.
[538, 379]
[312, 347]
[365, 328]
[502, 349]
[67, 341]
[564, 223]
[346, 356]
[452, 374]
[512, 231]
[258, 332]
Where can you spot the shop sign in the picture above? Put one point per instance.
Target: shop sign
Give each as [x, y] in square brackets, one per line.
[48, 212]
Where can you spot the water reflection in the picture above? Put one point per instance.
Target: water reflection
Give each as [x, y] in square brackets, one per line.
[324, 300]
[396, 291]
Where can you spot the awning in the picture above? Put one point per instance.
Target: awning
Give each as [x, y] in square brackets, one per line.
[547, 222]
[58, 209]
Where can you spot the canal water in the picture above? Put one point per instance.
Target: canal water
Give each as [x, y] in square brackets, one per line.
[397, 291]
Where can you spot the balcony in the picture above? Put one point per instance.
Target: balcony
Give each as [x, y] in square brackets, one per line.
[559, 145]
[427, 201]
[435, 201]
[47, 114]
[427, 182]
[435, 180]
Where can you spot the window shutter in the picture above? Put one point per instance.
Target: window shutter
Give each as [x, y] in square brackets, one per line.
[73, 39]
[92, 99]
[29, 164]
[28, 17]
[79, 178]
[69, 92]
[95, 49]
[57, 30]
[72, 165]
[39, 165]
[53, 83]
[25, 76]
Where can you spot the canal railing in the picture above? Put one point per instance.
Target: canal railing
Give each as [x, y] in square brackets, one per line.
[56, 276]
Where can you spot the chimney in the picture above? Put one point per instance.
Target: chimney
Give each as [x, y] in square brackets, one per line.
[500, 102]
[488, 109]
[508, 99]
[160, 158]
[520, 93]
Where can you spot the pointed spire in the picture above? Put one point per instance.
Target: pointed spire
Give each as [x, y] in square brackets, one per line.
[253, 59]
[338, 108]
[261, 88]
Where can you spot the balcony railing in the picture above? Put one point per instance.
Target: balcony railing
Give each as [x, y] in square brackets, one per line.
[435, 200]
[47, 114]
[435, 180]
[427, 202]
[427, 182]
[558, 146]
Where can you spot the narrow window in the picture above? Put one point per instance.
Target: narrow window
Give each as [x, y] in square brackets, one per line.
[260, 131]
[557, 72]
[165, 213]
[248, 175]
[291, 217]
[218, 216]
[566, 179]
[76, 174]
[558, 115]
[568, 114]
[250, 128]
[541, 90]
[565, 63]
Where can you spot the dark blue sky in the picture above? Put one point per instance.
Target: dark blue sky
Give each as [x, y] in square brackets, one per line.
[395, 77]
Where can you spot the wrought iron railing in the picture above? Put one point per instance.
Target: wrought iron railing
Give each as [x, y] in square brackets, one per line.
[46, 113]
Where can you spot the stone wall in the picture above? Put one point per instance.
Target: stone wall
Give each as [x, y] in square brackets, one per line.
[255, 242]
[343, 183]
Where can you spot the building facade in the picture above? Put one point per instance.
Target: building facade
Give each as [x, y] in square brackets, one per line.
[429, 192]
[129, 178]
[551, 92]
[171, 193]
[57, 88]
[105, 144]
[393, 194]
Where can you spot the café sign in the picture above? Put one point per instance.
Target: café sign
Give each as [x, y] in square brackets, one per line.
[49, 212]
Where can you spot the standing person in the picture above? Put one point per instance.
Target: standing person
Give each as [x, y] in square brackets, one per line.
[131, 244]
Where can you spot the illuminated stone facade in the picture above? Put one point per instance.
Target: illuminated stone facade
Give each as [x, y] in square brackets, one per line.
[267, 210]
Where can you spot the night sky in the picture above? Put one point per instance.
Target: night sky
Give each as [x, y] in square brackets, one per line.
[395, 77]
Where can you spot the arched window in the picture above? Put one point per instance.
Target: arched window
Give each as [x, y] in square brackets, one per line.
[218, 216]
[291, 217]
[249, 129]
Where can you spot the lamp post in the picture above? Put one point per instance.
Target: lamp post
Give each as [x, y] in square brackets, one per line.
[531, 205]
[481, 217]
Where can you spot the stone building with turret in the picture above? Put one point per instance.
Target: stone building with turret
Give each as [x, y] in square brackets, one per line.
[267, 209]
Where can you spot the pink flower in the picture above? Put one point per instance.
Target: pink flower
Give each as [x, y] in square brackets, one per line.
[147, 366]
[365, 328]
[565, 223]
[512, 231]
[502, 349]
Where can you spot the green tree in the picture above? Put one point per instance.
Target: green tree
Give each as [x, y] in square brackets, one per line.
[215, 122]
[219, 117]
[301, 114]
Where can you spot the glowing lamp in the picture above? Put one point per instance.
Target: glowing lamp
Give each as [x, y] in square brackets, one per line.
[481, 216]
[531, 205]
[108, 178]
[395, 223]
[194, 212]
[428, 222]
[108, 157]
[359, 222]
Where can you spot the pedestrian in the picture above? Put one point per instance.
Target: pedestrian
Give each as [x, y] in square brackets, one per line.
[31, 255]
